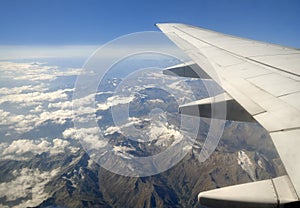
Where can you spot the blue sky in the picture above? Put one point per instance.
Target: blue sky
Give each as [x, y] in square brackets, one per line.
[80, 22]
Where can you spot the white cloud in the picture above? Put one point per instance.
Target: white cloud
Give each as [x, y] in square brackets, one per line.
[89, 137]
[34, 98]
[22, 148]
[61, 105]
[58, 112]
[37, 109]
[27, 104]
[23, 89]
[28, 183]
[58, 117]
[17, 123]
[112, 130]
[114, 100]
[82, 112]
[127, 128]
[123, 151]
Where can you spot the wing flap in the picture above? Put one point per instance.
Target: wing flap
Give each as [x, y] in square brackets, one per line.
[190, 69]
[204, 108]
[287, 144]
[267, 193]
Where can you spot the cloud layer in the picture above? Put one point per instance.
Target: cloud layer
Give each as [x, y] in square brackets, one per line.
[23, 149]
[28, 184]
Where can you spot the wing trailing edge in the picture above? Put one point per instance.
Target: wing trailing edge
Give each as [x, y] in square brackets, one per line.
[271, 193]
[189, 69]
[205, 107]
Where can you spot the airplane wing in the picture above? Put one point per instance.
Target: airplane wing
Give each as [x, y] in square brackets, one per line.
[262, 79]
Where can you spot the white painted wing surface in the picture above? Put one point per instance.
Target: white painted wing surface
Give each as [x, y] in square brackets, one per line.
[263, 78]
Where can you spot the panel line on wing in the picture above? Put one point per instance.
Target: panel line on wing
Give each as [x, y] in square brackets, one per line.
[285, 130]
[282, 54]
[248, 58]
[274, 67]
[289, 94]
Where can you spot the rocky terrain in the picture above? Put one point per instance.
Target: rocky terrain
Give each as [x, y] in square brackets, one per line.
[245, 154]
[43, 163]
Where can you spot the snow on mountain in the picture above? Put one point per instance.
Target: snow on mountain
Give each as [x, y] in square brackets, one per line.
[246, 164]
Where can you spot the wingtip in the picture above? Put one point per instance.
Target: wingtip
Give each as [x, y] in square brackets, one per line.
[159, 23]
[166, 23]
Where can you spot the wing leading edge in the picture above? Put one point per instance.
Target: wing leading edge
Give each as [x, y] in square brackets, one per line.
[264, 79]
